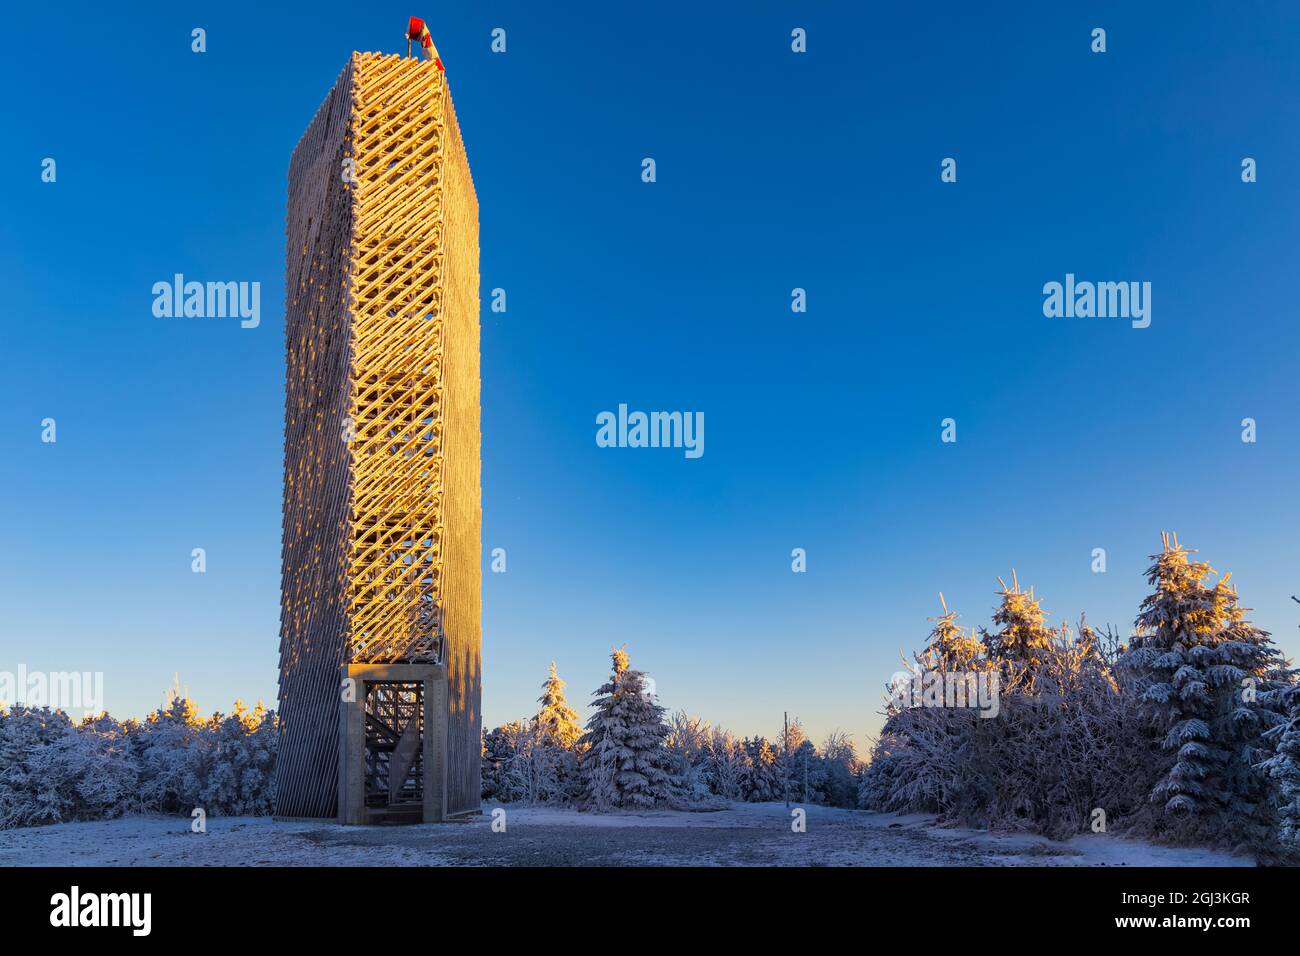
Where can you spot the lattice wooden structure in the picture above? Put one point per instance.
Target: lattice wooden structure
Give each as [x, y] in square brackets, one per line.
[381, 551]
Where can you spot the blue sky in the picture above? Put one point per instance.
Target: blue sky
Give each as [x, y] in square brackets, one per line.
[775, 170]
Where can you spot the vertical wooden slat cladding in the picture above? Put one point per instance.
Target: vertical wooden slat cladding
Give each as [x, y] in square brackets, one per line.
[464, 514]
[318, 398]
[382, 507]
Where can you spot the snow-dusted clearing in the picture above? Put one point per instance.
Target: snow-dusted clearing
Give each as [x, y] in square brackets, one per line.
[753, 834]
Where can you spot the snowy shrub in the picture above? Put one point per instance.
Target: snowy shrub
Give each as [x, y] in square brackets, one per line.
[530, 768]
[236, 763]
[501, 768]
[687, 746]
[1065, 742]
[724, 765]
[1179, 736]
[27, 794]
[53, 771]
[1062, 744]
[91, 765]
[161, 747]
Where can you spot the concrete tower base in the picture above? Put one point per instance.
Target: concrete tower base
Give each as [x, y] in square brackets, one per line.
[393, 744]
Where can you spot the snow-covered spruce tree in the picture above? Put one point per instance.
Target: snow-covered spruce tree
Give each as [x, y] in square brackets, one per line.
[794, 734]
[792, 737]
[1251, 675]
[1034, 766]
[949, 648]
[839, 780]
[557, 722]
[535, 760]
[1022, 635]
[1168, 658]
[263, 744]
[1210, 679]
[1283, 764]
[762, 782]
[803, 775]
[598, 764]
[623, 762]
[553, 758]
[1175, 628]
[1283, 768]
[919, 764]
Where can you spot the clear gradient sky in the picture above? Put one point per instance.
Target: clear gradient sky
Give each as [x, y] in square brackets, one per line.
[775, 170]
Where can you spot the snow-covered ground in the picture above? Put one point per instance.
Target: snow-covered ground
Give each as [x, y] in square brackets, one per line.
[751, 834]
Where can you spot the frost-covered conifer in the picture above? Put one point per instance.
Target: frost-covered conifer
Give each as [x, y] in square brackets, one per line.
[792, 760]
[804, 774]
[1248, 674]
[1022, 636]
[557, 722]
[1283, 764]
[762, 781]
[1211, 679]
[839, 783]
[949, 648]
[725, 765]
[551, 758]
[1283, 767]
[1168, 655]
[623, 760]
